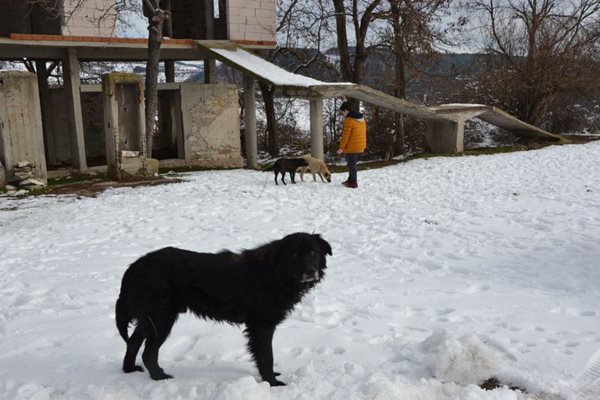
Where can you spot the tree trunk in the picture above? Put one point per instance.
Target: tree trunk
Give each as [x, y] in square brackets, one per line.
[342, 40]
[155, 28]
[399, 73]
[267, 94]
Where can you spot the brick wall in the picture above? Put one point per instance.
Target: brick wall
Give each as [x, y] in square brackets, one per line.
[252, 20]
[93, 18]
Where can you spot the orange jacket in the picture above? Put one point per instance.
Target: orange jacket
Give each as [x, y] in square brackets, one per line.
[354, 135]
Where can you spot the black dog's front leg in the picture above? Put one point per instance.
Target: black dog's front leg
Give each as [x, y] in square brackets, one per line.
[260, 345]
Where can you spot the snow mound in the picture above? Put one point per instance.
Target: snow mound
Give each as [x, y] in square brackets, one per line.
[465, 360]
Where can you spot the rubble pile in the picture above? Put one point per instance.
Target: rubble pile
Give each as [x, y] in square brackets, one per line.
[24, 178]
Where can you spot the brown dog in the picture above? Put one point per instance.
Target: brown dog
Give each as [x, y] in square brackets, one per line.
[317, 167]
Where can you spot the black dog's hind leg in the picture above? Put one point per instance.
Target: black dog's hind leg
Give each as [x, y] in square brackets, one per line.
[260, 345]
[293, 176]
[276, 173]
[133, 346]
[157, 329]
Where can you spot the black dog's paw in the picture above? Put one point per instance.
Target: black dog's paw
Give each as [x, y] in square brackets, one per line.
[161, 376]
[276, 373]
[135, 368]
[275, 382]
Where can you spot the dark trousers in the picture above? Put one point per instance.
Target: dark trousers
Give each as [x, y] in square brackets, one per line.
[351, 160]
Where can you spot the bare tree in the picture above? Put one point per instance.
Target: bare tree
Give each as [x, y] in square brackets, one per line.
[542, 49]
[359, 15]
[301, 25]
[410, 29]
[157, 15]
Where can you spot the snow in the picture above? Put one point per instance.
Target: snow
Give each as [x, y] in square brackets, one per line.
[271, 72]
[445, 272]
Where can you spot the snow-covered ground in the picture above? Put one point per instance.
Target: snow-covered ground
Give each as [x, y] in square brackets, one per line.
[445, 272]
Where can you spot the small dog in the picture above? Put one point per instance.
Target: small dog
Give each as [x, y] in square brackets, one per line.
[258, 288]
[284, 165]
[316, 166]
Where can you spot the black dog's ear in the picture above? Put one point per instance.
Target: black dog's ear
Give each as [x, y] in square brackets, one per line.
[324, 244]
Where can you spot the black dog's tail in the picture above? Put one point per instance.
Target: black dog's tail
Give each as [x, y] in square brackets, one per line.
[122, 318]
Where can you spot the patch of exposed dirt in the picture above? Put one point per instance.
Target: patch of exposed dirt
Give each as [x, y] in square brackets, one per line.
[94, 187]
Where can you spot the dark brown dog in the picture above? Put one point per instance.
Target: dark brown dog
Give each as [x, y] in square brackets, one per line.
[258, 288]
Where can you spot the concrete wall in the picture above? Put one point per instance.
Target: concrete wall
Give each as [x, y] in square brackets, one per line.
[60, 127]
[251, 20]
[2, 176]
[211, 125]
[21, 133]
[204, 126]
[93, 122]
[92, 18]
[123, 105]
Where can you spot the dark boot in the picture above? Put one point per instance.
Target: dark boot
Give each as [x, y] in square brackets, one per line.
[350, 184]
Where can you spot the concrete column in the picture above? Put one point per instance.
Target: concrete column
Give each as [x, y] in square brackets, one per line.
[47, 116]
[316, 128]
[124, 127]
[74, 114]
[250, 122]
[168, 31]
[21, 132]
[210, 71]
[169, 70]
[210, 64]
[209, 19]
[445, 136]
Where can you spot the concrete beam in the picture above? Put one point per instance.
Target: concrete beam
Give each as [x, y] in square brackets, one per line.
[74, 115]
[250, 122]
[316, 128]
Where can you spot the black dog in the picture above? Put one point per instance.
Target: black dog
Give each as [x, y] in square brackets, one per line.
[284, 165]
[258, 288]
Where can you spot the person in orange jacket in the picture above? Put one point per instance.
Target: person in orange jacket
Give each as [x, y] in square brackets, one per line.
[353, 141]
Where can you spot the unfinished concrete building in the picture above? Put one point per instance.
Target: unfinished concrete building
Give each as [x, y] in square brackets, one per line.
[198, 123]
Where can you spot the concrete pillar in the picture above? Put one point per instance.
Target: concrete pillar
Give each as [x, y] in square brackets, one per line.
[210, 64]
[316, 128]
[250, 122]
[210, 71]
[47, 115]
[124, 126]
[169, 71]
[168, 32]
[445, 136]
[2, 176]
[21, 132]
[74, 115]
